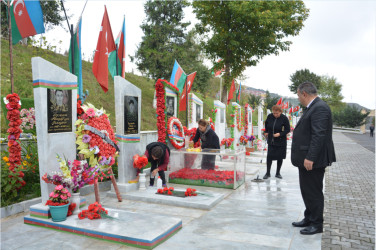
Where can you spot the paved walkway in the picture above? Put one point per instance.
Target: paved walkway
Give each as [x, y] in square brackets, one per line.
[363, 139]
[350, 197]
[255, 216]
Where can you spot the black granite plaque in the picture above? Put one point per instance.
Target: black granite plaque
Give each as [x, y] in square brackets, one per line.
[130, 115]
[198, 112]
[59, 110]
[170, 106]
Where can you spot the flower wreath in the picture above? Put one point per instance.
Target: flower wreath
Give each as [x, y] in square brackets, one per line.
[175, 134]
[13, 104]
[211, 123]
[214, 114]
[160, 94]
[239, 124]
[246, 119]
[190, 112]
[96, 138]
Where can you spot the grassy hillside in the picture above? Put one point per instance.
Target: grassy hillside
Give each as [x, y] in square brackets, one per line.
[23, 84]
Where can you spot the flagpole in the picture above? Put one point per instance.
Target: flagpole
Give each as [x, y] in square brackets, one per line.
[116, 51]
[186, 102]
[70, 27]
[10, 48]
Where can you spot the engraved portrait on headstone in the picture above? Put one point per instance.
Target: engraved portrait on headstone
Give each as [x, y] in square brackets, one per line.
[170, 106]
[198, 112]
[249, 116]
[59, 110]
[131, 115]
[222, 115]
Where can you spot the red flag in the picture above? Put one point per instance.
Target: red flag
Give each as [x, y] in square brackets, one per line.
[231, 93]
[218, 72]
[105, 46]
[290, 110]
[286, 105]
[183, 97]
[280, 101]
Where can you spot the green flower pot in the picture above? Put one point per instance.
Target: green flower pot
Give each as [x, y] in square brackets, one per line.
[59, 213]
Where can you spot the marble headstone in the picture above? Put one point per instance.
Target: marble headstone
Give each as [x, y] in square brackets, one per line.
[260, 121]
[237, 133]
[220, 119]
[55, 100]
[196, 105]
[249, 120]
[128, 125]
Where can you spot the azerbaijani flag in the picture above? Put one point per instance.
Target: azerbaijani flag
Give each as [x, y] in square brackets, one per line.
[77, 57]
[178, 77]
[120, 42]
[26, 19]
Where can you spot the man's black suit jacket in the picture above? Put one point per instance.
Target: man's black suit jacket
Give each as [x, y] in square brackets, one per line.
[312, 137]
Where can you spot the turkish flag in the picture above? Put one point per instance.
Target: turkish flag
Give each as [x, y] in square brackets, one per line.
[279, 101]
[105, 46]
[231, 93]
[183, 96]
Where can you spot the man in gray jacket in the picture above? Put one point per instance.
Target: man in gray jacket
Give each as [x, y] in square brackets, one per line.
[312, 150]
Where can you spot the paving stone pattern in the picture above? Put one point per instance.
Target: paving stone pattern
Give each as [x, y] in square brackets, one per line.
[349, 213]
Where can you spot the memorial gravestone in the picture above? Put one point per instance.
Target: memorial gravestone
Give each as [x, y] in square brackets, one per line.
[260, 120]
[195, 109]
[237, 132]
[249, 120]
[171, 103]
[128, 124]
[55, 92]
[220, 119]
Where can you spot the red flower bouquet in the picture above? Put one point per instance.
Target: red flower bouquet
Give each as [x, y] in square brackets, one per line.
[166, 190]
[94, 211]
[243, 140]
[140, 162]
[227, 142]
[190, 192]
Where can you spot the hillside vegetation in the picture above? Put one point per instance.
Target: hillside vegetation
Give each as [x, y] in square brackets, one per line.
[23, 84]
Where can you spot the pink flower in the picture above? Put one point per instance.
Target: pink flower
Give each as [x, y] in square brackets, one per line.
[51, 194]
[59, 187]
[90, 112]
[69, 195]
[56, 195]
[64, 191]
[76, 163]
[64, 197]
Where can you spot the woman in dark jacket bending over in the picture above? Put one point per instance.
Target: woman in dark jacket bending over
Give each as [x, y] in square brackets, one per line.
[277, 126]
[209, 139]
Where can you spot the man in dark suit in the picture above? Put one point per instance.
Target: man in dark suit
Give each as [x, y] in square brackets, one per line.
[312, 150]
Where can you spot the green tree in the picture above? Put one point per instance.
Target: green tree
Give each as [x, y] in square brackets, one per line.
[301, 76]
[163, 38]
[350, 117]
[243, 32]
[254, 101]
[330, 91]
[52, 14]
[270, 101]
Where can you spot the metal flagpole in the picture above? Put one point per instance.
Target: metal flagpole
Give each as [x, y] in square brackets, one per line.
[10, 49]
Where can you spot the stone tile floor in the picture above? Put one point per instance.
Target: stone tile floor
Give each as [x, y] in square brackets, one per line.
[255, 216]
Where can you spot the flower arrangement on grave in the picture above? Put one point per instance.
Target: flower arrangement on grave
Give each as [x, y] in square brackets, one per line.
[227, 142]
[175, 132]
[190, 192]
[96, 138]
[204, 177]
[94, 211]
[243, 140]
[232, 129]
[160, 93]
[27, 119]
[211, 123]
[191, 133]
[166, 190]
[190, 112]
[59, 197]
[250, 138]
[72, 175]
[246, 119]
[13, 104]
[214, 114]
[140, 162]
[239, 123]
